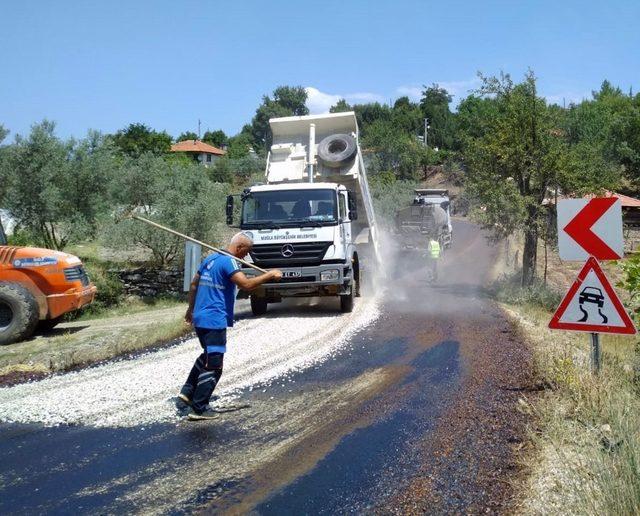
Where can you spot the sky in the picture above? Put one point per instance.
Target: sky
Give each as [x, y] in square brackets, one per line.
[105, 64]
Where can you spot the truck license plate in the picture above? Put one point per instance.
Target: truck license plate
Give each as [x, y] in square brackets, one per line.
[291, 274]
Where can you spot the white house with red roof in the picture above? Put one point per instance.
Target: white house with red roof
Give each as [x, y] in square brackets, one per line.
[201, 152]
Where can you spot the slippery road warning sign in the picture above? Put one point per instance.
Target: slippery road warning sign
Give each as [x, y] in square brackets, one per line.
[592, 305]
[590, 227]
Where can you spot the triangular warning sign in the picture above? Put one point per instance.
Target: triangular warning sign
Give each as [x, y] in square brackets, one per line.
[592, 305]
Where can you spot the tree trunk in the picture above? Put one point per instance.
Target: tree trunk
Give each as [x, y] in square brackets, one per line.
[546, 258]
[530, 252]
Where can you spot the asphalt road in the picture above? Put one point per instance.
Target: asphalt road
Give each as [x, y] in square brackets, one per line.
[411, 410]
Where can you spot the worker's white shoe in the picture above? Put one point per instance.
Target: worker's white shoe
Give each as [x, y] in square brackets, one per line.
[208, 413]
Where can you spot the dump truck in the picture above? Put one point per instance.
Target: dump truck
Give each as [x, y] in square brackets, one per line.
[313, 218]
[37, 287]
[429, 217]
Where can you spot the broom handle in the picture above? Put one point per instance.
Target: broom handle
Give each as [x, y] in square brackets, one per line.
[181, 235]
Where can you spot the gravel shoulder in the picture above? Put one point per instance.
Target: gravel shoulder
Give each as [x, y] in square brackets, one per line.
[139, 390]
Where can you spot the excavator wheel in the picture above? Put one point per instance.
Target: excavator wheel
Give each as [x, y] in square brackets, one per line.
[18, 313]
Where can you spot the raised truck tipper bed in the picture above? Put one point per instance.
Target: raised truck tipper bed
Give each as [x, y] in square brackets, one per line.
[314, 218]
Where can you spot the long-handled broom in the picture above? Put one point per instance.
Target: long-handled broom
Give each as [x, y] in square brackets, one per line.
[186, 237]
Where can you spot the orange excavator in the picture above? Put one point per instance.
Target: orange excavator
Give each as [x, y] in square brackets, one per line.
[37, 287]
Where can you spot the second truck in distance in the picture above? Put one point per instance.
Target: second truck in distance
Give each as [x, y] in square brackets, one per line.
[428, 218]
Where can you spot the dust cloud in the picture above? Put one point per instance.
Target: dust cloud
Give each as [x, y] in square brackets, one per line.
[403, 275]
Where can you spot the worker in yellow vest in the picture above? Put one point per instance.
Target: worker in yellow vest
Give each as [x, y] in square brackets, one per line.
[433, 251]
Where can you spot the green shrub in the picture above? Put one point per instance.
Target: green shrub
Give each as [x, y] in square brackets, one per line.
[24, 238]
[631, 283]
[508, 289]
[389, 194]
[110, 289]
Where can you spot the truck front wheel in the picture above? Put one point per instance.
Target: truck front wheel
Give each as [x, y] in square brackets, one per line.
[346, 301]
[18, 313]
[258, 305]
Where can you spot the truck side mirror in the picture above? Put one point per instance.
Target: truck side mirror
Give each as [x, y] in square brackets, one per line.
[229, 210]
[353, 206]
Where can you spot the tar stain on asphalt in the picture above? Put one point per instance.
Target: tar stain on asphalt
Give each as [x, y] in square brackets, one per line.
[352, 476]
[64, 469]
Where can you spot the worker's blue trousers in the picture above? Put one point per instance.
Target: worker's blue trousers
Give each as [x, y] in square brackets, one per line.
[207, 369]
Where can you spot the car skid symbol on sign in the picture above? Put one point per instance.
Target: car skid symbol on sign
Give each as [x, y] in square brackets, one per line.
[591, 295]
[592, 305]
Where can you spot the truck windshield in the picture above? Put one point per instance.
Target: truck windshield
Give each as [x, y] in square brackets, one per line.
[289, 208]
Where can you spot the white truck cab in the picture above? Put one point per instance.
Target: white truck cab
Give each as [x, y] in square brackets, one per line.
[314, 218]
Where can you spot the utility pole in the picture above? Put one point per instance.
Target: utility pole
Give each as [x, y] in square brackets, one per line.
[198, 128]
[426, 129]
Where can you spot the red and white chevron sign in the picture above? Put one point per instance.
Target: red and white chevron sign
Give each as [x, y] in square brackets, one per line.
[590, 227]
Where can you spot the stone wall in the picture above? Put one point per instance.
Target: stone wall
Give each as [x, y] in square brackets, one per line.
[148, 282]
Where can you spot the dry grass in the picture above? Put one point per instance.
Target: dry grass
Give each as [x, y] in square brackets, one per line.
[587, 438]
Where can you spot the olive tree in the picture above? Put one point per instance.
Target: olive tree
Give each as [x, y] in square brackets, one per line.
[177, 195]
[56, 190]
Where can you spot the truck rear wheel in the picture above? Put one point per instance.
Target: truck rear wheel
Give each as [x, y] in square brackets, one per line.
[18, 313]
[258, 305]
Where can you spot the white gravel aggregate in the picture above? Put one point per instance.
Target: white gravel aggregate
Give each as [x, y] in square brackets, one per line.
[138, 391]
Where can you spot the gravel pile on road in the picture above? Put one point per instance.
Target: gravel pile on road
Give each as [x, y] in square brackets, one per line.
[138, 391]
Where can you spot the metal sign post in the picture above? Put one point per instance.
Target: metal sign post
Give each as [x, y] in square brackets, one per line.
[596, 353]
[192, 255]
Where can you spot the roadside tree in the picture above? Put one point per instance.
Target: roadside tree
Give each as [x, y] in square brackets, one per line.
[286, 101]
[216, 138]
[187, 135]
[435, 106]
[340, 107]
[241, 144]
[137, 139]
[368, 114]
[83, 188]
[407, 116]
[393, 150]
[512, 165]
[56, 190]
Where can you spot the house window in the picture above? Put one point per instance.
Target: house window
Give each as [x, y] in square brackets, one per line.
[208, 158]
